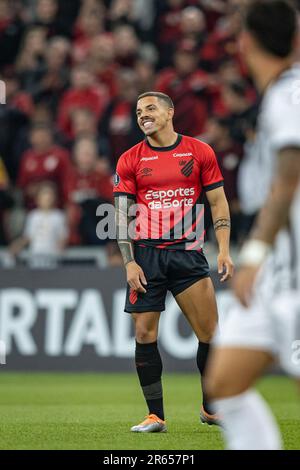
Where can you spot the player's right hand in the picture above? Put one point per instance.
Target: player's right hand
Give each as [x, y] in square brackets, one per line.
[136, 277]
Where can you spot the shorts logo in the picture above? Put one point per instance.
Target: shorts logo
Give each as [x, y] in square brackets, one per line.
[133, 296]
[117, 179]
[187, 170]
[146, 171]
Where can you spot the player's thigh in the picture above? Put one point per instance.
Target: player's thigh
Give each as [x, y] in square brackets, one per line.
[198, 304]
[146, 326]
[232, 370]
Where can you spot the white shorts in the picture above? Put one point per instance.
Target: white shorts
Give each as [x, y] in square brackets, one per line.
[272, 326]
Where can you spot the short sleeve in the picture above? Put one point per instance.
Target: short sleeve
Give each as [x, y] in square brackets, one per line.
[211, 176]
[124, 180]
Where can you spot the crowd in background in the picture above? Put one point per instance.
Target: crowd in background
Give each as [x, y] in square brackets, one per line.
[73, 70]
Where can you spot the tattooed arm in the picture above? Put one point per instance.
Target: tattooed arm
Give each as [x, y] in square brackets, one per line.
[221, 219]
[122, 206]
[135, 274]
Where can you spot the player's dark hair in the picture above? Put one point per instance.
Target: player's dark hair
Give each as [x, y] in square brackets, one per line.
[159, 95]
[273, 23]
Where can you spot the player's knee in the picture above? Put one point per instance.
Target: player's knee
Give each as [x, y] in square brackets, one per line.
[145, 335]
[206, 337]
[207, 333]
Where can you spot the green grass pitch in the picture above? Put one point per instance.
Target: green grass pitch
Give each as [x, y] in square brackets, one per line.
[96, 411]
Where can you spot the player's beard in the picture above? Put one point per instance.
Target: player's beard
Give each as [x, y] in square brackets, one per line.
[150, 132]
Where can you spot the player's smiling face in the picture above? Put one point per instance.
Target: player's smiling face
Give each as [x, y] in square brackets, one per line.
[153, 115]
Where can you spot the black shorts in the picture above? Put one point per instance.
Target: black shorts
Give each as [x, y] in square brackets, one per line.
[173, 270]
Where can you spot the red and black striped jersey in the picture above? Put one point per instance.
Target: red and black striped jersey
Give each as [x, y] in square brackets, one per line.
[167, 184]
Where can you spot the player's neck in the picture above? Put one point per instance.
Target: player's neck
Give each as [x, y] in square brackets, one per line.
[165, 138]
[268, 71]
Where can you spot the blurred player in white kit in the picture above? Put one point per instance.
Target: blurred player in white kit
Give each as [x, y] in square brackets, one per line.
[263, 326]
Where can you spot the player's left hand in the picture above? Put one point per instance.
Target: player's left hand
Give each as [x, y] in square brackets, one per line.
[225, 263]
[243, 284]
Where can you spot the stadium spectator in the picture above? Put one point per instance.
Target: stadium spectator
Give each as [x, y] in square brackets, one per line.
[169, 29]
[45, 15]
[88, 184]
[14, 117]
[89, 24]
[11, 32]
[48, 82]
[188, 86]
[101, 60]
[193, 27]
[84, 123]
[118, 124]
[229, 155]
[145, 70]
[45, 231]
[6, 202]
[84, 92]
[214, 10]
[44, 161]
[32, 54]
[240, 105]
[16, 98]
[127, 45]
[222, 42]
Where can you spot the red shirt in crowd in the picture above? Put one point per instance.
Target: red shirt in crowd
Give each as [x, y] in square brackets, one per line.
[93, 98]
[93, 185]
[35, 167]
[191, 104]
[119, 128]
[82, 187]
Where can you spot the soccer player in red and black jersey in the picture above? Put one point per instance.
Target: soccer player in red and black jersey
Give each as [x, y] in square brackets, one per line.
[165, 175]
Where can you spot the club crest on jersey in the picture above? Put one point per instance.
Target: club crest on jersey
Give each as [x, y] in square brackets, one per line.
[117, 179]
[187, 169]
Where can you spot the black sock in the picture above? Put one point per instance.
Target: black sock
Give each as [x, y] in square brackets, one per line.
[202, 355]
[149, 369]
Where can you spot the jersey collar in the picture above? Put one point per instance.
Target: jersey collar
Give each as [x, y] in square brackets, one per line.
[165, 149]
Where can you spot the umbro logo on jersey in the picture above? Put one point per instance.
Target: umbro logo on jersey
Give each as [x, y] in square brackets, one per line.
[146, 171]
[187, 170]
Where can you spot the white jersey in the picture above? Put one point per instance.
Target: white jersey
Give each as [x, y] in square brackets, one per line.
[279, 128]
[272, 321]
